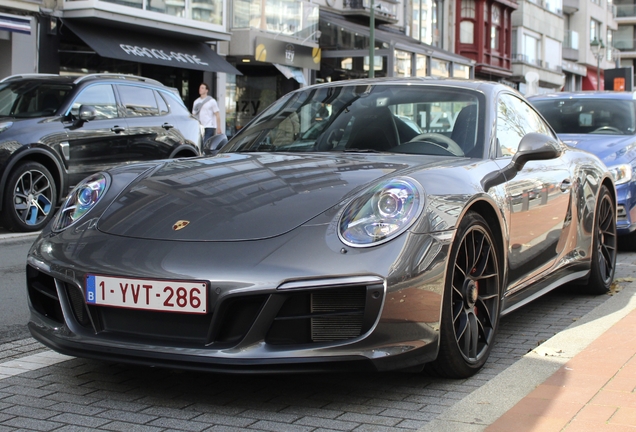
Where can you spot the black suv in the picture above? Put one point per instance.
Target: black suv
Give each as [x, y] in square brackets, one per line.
[55, 130]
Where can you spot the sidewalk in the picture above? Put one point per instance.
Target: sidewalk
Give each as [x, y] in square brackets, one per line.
[595, 391]
[581, 380]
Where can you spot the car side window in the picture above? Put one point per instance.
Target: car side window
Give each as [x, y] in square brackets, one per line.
[102, 97]
[163, 106]
[138, 101]
[515, 119]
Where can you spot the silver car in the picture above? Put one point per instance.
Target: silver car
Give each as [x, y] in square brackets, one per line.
[354, 243]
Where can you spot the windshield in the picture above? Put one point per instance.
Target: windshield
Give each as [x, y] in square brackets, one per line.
[398, 119]
[589, 116]
[31, 98]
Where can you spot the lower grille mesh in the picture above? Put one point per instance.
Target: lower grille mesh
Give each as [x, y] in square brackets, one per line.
[344, 315]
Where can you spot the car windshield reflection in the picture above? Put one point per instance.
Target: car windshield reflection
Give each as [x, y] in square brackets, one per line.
[589, 115]
[372, 119]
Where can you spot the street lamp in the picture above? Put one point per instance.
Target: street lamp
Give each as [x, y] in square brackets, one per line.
[598, 50]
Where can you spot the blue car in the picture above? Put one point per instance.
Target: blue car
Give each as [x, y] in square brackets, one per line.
[603, 123]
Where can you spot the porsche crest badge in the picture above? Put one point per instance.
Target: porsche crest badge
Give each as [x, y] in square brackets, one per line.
[180, 225]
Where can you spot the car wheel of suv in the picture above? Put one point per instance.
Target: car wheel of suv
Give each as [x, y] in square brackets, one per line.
[29, 198]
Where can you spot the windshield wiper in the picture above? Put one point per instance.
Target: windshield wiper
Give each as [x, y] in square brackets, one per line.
[359, 150]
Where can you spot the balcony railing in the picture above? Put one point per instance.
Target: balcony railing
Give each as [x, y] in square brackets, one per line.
[625, 11]
[524, 58]
[293, 18]
[384, 11]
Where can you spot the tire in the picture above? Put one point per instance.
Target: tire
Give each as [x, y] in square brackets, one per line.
[472, 301]
[604, 245]
[29, 198]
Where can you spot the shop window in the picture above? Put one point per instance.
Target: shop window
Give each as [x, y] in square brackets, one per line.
[461, 71]
[403, 64]
[421, 62]
[439, 68]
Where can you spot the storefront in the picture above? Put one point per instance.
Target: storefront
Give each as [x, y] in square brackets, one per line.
[92, 47]
[271, 69]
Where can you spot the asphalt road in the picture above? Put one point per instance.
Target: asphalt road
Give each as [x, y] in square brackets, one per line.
[13, 303]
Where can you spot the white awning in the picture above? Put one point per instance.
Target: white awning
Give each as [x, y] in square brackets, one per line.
[291, 72]
[15, 23]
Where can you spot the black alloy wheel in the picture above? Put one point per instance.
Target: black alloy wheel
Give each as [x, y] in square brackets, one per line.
[470, 314]
[604, 245]
[29, 198]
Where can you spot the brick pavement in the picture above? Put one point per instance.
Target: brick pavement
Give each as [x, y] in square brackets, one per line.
[80, 394]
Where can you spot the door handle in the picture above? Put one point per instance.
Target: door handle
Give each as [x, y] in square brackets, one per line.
[167, 126]
[118, 129]
[565, 185]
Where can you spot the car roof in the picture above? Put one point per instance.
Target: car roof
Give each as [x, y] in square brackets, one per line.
[586, 95]
[486, 87]
[74, 79]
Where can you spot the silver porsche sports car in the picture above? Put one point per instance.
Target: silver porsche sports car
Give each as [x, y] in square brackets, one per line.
[329, 234]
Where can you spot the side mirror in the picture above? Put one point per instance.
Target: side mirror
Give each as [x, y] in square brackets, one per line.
[87, 113]
[534, 146]
[214, 144]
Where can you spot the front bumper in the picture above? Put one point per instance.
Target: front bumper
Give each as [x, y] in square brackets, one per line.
[264, 317]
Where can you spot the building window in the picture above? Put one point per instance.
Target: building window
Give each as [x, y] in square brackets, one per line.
[467, 24]
[439, 68]
[420, 65]
[403, 64]
[595, 30]
[532, 49]
[427, 18]
[609, 52]
[461, 71]
[495, 28]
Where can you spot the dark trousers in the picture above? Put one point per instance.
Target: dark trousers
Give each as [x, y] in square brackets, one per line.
[209, 133]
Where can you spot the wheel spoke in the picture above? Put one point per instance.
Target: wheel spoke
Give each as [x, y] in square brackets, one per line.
[473, 336]
[484, 312]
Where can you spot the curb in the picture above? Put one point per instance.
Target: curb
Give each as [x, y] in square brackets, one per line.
[481, 408]
[5, 235]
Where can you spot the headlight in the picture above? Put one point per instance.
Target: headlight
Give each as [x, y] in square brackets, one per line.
[621, 173]
[381, 213]
[5, 125]
[81, 199]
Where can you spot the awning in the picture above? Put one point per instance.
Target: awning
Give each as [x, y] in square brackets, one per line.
[291, 72]
[15, 23]
[146, 48]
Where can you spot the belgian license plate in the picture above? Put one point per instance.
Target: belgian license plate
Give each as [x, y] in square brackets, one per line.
[157, 295]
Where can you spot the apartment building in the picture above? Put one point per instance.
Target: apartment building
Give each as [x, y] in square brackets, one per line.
[625, 36]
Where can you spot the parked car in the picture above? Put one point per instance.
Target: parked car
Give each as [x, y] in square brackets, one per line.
[56, 130]
[365, 245]
[603, 123]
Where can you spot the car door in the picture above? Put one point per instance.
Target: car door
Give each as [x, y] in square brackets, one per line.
[96, 144]
[152, 135]
[537, 197]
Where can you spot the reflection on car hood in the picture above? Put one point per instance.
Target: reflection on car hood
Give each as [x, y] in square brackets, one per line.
[234, 197]
[611, 149]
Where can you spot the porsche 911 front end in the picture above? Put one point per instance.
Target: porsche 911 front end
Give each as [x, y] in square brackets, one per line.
[147, 275]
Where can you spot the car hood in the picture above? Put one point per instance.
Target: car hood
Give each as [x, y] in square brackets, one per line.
[611, 149]
[234, 197]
